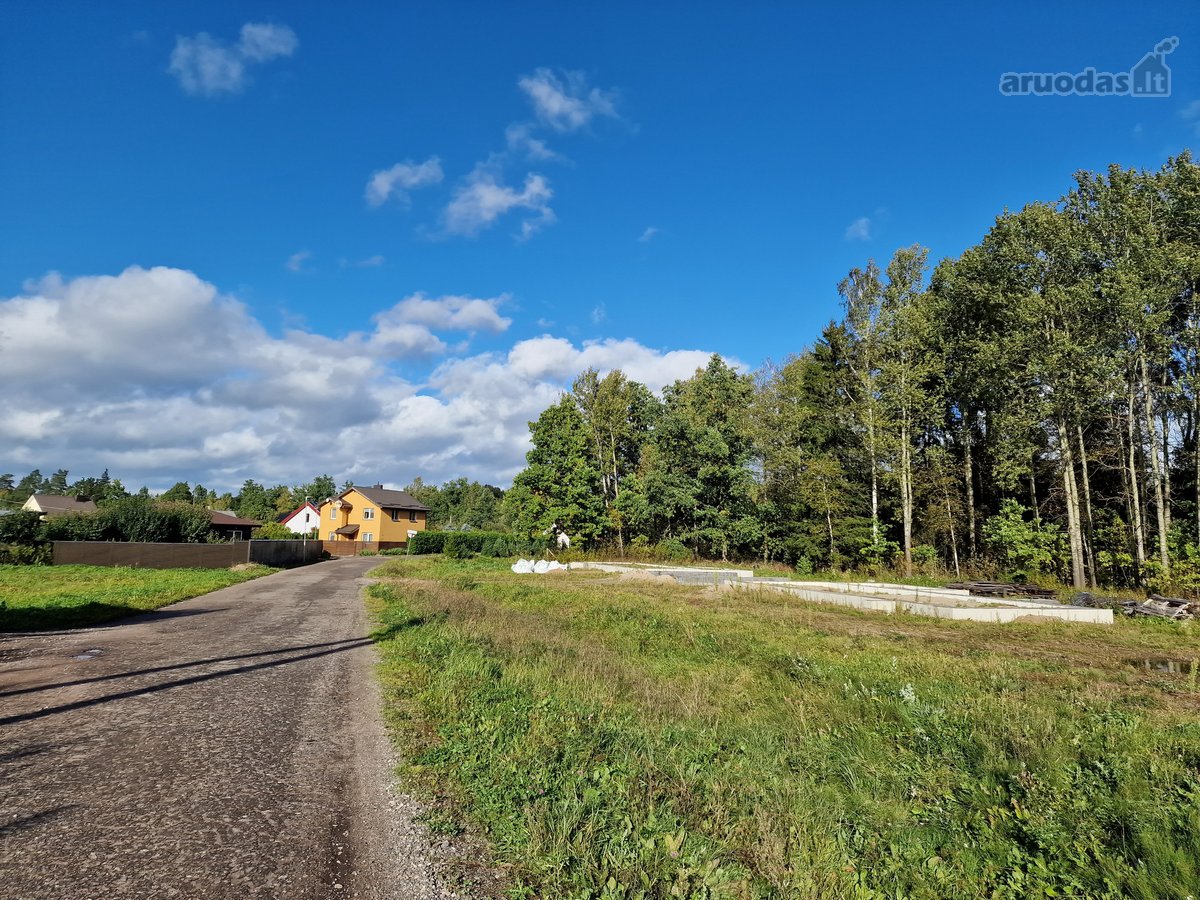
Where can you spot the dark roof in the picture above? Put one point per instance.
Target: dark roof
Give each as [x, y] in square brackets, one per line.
[387, 499]
[347, 530]
[220, 517]
[54, 503]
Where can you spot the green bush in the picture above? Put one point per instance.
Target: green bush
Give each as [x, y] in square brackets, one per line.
[461, 545]
[427, 542]
[675, 550]
[487, 543]
[1024, 548]
[133, 519]
[24, 555]
[274, 531]
[20, 528]
[76, 527]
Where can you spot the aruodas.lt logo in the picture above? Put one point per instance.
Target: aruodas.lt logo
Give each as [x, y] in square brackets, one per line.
[1151, 77]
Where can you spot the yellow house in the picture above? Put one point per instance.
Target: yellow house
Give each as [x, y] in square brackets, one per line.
[372, 515]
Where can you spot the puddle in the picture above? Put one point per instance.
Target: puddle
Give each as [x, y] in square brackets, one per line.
[88, 654]
[1165, 666]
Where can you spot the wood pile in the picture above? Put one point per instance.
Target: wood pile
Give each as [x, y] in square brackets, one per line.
[1163, 608]
[1157, 606]
[1002, 589]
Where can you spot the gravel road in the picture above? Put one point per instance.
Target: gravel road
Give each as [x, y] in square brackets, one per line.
[228, 746]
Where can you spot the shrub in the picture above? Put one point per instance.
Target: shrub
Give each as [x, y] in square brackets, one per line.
[274, 531]
[675, 550]
[20, 528]
[427, 542]
[134, 519]
[488, 543]
[76, 527]
[497, 547]
[1024, 548]
[25, 555]
[461, 545]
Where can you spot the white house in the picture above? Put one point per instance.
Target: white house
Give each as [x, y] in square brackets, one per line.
[303, 520]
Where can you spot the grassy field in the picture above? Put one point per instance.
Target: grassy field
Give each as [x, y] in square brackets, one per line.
[615, 738]
[42, 597]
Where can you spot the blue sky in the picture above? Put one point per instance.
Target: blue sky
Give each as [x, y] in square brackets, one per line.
[629, 184]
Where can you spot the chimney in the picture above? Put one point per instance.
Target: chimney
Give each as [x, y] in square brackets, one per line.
[378, 487]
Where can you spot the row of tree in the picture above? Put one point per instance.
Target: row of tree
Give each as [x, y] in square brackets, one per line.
[456, 504]
[1051, 371]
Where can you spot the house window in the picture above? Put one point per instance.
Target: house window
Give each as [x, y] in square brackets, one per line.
[235, 535]
[368, 513]
[368, 537]
[333, 535]
[395, 514]
[412, 515]
[333, 513]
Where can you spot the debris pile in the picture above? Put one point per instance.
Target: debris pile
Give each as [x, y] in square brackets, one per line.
[1003, 589]
[1163, 608]
[1157, 606]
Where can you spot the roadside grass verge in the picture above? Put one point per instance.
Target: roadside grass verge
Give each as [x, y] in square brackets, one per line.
[622, 739]
[34, 598]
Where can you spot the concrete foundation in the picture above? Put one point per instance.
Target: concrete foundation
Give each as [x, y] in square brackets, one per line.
[940, 603]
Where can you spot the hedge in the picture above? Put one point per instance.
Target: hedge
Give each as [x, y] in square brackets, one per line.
[427, 542]
[463, 544]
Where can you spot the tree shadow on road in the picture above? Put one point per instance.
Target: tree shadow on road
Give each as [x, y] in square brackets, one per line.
[12, 826]
[55, 619]
[317, 651]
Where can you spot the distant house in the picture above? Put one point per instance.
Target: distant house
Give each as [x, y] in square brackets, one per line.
[302, 520]
[51, 505]
[372, 515]
[229, 526]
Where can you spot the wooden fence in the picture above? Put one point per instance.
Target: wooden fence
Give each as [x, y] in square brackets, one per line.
[279, 554]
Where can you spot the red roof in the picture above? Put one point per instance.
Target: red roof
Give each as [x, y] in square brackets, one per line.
[301, 508]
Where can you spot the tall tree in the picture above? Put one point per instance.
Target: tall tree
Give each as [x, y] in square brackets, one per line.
[560, 487]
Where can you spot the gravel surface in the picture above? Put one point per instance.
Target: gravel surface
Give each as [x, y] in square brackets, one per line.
[228, 746]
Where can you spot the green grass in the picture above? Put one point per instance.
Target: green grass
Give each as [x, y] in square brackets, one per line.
[45, 597]
[622, 739]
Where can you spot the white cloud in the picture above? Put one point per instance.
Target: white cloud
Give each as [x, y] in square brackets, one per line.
[207, 66]
[296, 261]
[566, 103]
[521, 141]
[1191, 113]
[648, 235]
[396, 182]
[859, 229]
[158, 376]
[483, 198]
[262, 42]
[369, 262]
[407, 329]
[453, 313]
[599, 313]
